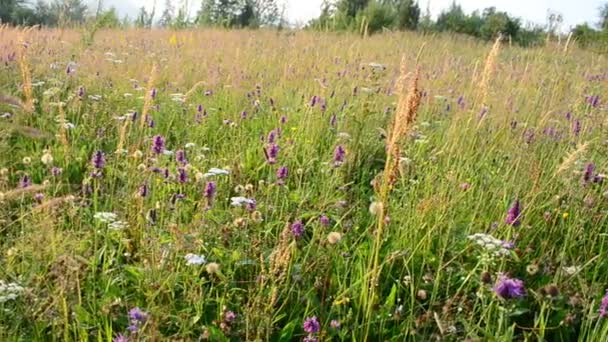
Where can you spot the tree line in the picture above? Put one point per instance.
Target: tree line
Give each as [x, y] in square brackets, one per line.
[365, 16]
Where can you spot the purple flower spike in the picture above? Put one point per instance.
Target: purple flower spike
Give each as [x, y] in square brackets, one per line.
[210, 190]
[576, 127]
[98, 160]
[158, 144]
[182, 175]
[25, 181]
[312, 325]
[282, 174]
[588, 175]
[143, 190]
[120, 338]
[180, 157]
[297, 228]
[508, 288]
[339, 155]
[137, 315]
[271, 153]
[513, 215]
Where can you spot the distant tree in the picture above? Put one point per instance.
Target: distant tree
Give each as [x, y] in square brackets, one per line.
[495, 23]
[603, 13]
[406, 13]
[377, 16]
[350, 8]
[145, 19]
[68, 12]
[166, 18]
[108, 18]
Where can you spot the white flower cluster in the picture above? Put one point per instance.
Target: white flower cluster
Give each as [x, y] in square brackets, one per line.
[111, 219]
[9, 291]
[193, 259]
[240, 201]
[490, 243]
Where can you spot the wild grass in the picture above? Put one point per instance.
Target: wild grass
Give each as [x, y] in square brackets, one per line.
[278, 186]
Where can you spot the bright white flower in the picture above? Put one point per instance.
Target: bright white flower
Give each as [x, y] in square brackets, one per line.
[69, 125]
[240, 201]
[190, 145]
[490, 243]
[47, 158]
[571, 270]
[216, 172]
[118, 225]
[193, 259]
[105, 217]
[168, 152]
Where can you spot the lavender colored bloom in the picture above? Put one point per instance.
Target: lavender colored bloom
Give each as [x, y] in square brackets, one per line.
[210, 190]
[98, 160]
[143, 190]
[324, 220]
[272, 135]
[272, 152]
[158, 144]
[182, 175]
[153, 93]
[339, 155]
[120, 338]
[529, 136]
[513, 214]
[576, 127]
[509, 288]
[137, 315]
[310, 338]
[283, 119]
[569, 115]
[588, 175]
[199, 108]
[282, 174]
[39, 197]
[180, 157]
[604, 305]
[229, 316]
[244, 115]
[133, 327]
[297, 228]
[80, 92]
[56, 171]
[25, 181]
[594, 100]
[312, 325]
[313, 101]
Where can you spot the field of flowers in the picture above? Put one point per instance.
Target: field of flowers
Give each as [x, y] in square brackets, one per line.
[297, 186]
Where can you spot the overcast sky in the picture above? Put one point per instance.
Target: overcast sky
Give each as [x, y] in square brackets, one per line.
[574, 11]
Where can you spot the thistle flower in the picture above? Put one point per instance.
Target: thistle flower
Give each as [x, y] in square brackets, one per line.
[229, 316]
[158, 144]
[120, 338]
[339, 155]
[604, 305]
[509, 288]
[137, 315]
[311, 325]
[513, 214]
[98, 160]
[297, 228]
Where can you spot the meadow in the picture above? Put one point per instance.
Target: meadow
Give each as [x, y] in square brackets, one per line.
[222, 185]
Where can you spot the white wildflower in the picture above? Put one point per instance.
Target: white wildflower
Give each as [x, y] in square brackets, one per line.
[193, 259]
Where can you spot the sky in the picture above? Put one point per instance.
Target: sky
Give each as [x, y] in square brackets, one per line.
[535, 11]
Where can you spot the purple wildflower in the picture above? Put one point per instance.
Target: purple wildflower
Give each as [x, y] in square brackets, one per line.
[310, 338]
[251, 205]
[576, 127]
[297, 229]
[153, 93]
[282, 174]
[271, 153]
[56, 171]
[465, 186]
[180, 157]
[137, 315]
[25, 181]
[311, 325]
[508, 288]
[333, 120]
[339, 155]
[120, 338]
[80, 92]
[158, 144]
[313, 101]
[272, 135]
[588, 175]
[283, 119]
[39, 197]
[244, 115]
[513, 214]
[143, 190]
[229, 316]
[98, 160]
[182, 176]
[324, 220]
[604, 305]
[210, 190]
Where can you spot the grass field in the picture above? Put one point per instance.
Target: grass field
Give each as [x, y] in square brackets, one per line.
[280, 186]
